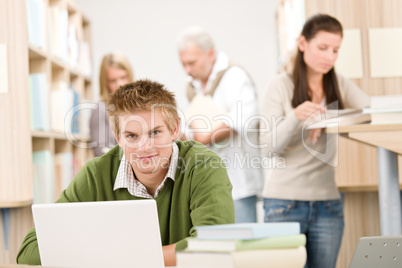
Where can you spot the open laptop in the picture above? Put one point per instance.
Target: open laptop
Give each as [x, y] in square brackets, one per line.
[99, 234]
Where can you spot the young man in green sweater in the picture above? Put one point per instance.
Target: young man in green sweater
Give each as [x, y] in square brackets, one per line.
[189, 182]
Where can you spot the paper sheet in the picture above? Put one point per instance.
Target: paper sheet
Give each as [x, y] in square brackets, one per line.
[385, 52]
[350, 60]
[202, 113]
[3, 69]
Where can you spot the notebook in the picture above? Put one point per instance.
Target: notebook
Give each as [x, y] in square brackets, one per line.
[99, 234]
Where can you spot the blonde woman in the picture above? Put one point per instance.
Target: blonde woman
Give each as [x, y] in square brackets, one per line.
[115, 71]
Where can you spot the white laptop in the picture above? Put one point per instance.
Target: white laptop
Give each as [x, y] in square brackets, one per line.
[99, 234]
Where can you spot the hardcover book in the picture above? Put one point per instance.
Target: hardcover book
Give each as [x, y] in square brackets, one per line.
[247, 230]
[288, 241]
[273, 258]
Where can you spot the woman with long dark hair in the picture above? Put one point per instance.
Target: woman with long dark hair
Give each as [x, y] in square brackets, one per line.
[303, 188]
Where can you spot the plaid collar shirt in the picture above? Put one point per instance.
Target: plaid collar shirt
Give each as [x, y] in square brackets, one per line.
[125, 176]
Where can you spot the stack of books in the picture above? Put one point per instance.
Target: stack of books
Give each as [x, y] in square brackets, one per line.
[385, 109]
[274, 245]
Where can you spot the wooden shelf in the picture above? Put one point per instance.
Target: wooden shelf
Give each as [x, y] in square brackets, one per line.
[360, 188]
[72, 7]
[74, 73]
[15, 204]
[58, 63]
[47, 135]
[85, 21]
[88, 80]
[41, 134]
[36, 53]
[58, 135]
[18, 185]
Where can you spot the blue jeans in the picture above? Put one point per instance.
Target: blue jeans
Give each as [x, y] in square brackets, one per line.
[321, 222]
[246, 209]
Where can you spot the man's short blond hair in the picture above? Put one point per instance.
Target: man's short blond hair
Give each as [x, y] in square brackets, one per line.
[142, 96]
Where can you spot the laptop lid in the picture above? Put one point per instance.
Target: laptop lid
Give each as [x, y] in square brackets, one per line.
[99, 234]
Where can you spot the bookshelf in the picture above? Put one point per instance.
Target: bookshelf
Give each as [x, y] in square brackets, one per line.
[51, 38]
[357, 172]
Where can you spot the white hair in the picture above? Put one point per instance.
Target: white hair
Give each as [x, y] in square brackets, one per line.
[195, 35]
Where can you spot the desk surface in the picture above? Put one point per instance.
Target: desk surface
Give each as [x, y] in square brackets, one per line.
[29, 266]
[384, 136]
[364, 128]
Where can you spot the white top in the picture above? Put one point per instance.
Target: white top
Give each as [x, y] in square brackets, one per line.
[101, 133]
[236, 95]
[301, 170]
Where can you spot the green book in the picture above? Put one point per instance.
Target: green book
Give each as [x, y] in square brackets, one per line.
[277, 242]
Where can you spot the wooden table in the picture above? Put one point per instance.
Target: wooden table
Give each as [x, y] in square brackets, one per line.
[388, 140]
[31, 266]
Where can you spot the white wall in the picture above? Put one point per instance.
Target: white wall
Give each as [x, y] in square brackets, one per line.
[146, 31]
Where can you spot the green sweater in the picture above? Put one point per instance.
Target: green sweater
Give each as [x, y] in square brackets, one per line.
[200, 195]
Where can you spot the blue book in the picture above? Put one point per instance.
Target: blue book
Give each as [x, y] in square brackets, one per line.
[75, 127]
[39, 101]
[247, 230]
[36, 104]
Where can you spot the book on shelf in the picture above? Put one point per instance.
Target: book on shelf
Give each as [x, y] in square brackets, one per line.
[287, 241]
[247, 230]
[36, 20]
[262, 258]
[65, 112]
[63, 170]
[85, 59]
[39, 102]
[73, 45]
[59, 32]
[75, 124]
[44, 186]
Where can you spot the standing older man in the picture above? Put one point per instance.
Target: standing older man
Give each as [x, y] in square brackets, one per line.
[234, 139]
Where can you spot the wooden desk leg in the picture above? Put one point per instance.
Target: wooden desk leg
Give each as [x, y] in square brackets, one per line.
[389, 193]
